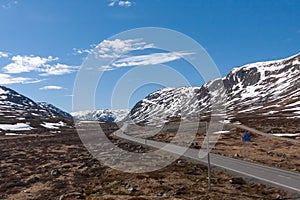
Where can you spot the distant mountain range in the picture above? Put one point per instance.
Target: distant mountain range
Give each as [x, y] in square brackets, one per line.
[259, 91]
[262, 92]
[101, 115]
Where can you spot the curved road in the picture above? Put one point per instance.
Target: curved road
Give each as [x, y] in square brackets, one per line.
[269, 175]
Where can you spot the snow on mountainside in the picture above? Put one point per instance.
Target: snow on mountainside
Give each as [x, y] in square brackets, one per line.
[269, 90]
[18, 111]
[101, 115]
[52, 108]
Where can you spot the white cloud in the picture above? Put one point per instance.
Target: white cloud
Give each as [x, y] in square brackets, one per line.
[22, 64]
[57, 69]
[4, 54]
[46, 66]
[116, 48]
[6, 79]
[51, 87]
[142, 60]
[120, 3]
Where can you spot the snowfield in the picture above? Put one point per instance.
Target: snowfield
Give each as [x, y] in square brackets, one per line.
[15, 127]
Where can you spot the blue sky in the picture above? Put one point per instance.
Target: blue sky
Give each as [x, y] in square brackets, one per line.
[43, 43]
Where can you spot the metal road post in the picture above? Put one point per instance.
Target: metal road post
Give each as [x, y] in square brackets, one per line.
[208, 159]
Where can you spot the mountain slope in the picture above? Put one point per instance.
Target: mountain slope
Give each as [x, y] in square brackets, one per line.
[266, 90]
[20, 113]
[54, 109]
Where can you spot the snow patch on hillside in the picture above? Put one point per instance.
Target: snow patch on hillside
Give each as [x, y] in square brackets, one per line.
[15, 127]
[53, 125]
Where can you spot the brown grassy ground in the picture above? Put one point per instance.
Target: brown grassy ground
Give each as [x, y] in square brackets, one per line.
[47, 166]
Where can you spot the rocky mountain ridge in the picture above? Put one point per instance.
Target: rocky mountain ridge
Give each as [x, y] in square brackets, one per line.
[263, 90]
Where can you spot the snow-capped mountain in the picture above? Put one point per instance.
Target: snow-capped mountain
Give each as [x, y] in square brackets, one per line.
[258, 90]
[20, 113]
[52, 108]
[101, 115]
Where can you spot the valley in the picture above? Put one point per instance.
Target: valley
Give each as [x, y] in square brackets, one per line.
[57, 166]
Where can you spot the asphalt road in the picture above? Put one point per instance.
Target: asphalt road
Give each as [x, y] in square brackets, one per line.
[272, 176]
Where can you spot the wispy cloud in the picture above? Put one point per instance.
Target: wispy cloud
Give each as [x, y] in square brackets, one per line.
[3, 54]
[8, 4]
[142, 60]
[46, 66]
[84, 51]
[51, 87]
[150, 59]
[116, 48]
[6, 79]
[120, 3]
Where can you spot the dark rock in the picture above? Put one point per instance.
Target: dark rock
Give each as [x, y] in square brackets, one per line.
[55, 172]
[237, 180]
